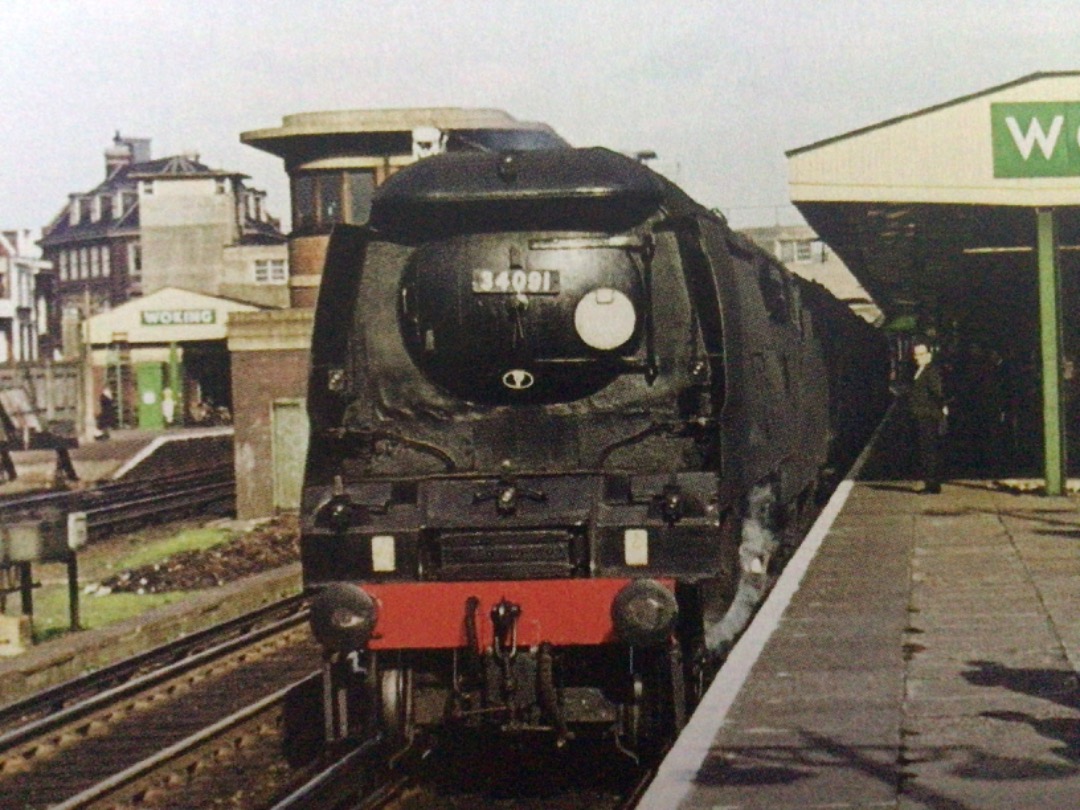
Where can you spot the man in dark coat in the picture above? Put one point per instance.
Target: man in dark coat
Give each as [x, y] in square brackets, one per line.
[107, 416]
[928, 409]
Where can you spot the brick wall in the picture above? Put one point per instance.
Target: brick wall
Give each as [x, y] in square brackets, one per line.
[269, 362]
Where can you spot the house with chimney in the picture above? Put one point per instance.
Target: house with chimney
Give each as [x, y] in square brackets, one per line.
[159, 235]
[157, 223]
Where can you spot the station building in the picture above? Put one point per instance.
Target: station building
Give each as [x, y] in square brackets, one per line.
[169, 345]
[335, 160]
[963, 222]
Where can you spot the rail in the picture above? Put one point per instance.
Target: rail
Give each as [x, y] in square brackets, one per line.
[286, 612]
[119, 505]
[126, 726]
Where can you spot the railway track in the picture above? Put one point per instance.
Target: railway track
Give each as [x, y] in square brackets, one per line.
[121, 506]
[148, 728]
[446, 778]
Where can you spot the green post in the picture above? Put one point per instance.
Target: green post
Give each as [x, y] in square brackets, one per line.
[1050, 332]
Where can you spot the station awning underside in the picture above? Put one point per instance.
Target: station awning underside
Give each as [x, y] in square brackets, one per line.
[925, 259]
[924, 206]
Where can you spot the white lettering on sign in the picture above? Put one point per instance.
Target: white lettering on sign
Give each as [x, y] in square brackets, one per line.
[177, 317]
[1047, 141]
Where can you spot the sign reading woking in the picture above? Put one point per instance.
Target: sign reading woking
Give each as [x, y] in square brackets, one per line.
[1036, 138]
[178, 317]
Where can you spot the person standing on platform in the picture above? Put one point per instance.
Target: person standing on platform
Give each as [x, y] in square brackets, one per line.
[107, 416]
[168, 407]
[927, 404]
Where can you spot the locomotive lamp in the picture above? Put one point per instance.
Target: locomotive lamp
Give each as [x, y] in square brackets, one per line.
[644, 613]
[343, 617]
[382, 553]
[636, 546]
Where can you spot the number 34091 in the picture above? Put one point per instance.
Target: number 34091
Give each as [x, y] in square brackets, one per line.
[532, 282]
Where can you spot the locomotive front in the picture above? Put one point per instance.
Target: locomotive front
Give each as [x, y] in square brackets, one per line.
[513, 460]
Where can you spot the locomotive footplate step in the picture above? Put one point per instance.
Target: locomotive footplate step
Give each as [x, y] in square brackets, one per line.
[925, 657]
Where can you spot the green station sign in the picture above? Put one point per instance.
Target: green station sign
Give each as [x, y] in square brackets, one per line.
[1036, 138]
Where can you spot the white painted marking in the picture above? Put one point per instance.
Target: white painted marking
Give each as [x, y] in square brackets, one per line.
[158, 441]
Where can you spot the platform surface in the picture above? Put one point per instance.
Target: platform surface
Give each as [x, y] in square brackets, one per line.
[927, 658]
[94, 460]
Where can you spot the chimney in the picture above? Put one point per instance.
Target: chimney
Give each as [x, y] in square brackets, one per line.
[117, 156]
[124, 152]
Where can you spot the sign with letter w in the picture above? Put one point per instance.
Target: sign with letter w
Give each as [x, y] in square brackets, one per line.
[1036, 138]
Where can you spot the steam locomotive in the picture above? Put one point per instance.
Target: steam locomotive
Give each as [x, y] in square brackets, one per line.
[565, 423]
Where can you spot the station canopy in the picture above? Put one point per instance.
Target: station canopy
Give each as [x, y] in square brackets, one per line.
[935, 212]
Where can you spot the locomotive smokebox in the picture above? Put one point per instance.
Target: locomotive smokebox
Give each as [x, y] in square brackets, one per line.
[343, 617]
[644, 613]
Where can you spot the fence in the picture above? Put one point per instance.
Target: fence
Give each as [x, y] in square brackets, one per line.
[42, 396]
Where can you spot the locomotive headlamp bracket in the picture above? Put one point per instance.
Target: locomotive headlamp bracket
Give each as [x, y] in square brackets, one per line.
[507, 493]
[340, 512]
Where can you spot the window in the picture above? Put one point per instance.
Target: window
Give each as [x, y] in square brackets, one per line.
[95, 260]
[321, 199]
[134, 261]
[64, 265]
[220, 185]
[361, 190]
[270, 271]
[305, 214]
[796, 250]
[330, 199]
[148, 187]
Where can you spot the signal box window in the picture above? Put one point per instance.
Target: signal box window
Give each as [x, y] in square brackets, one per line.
[321, 199]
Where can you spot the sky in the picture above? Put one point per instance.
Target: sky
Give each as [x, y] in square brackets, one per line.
[719, 89]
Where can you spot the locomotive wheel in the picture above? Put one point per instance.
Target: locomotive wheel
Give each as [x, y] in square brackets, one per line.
[632, 711]
[395, 704]
[657, 711]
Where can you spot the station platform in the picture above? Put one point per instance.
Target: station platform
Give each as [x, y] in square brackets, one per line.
[113, 458]
[919, 651]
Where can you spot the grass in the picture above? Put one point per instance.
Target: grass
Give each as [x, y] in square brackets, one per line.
[52, 611]
[187, 540]
[96, 562]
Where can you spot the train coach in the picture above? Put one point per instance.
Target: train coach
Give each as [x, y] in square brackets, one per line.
[565, 424]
